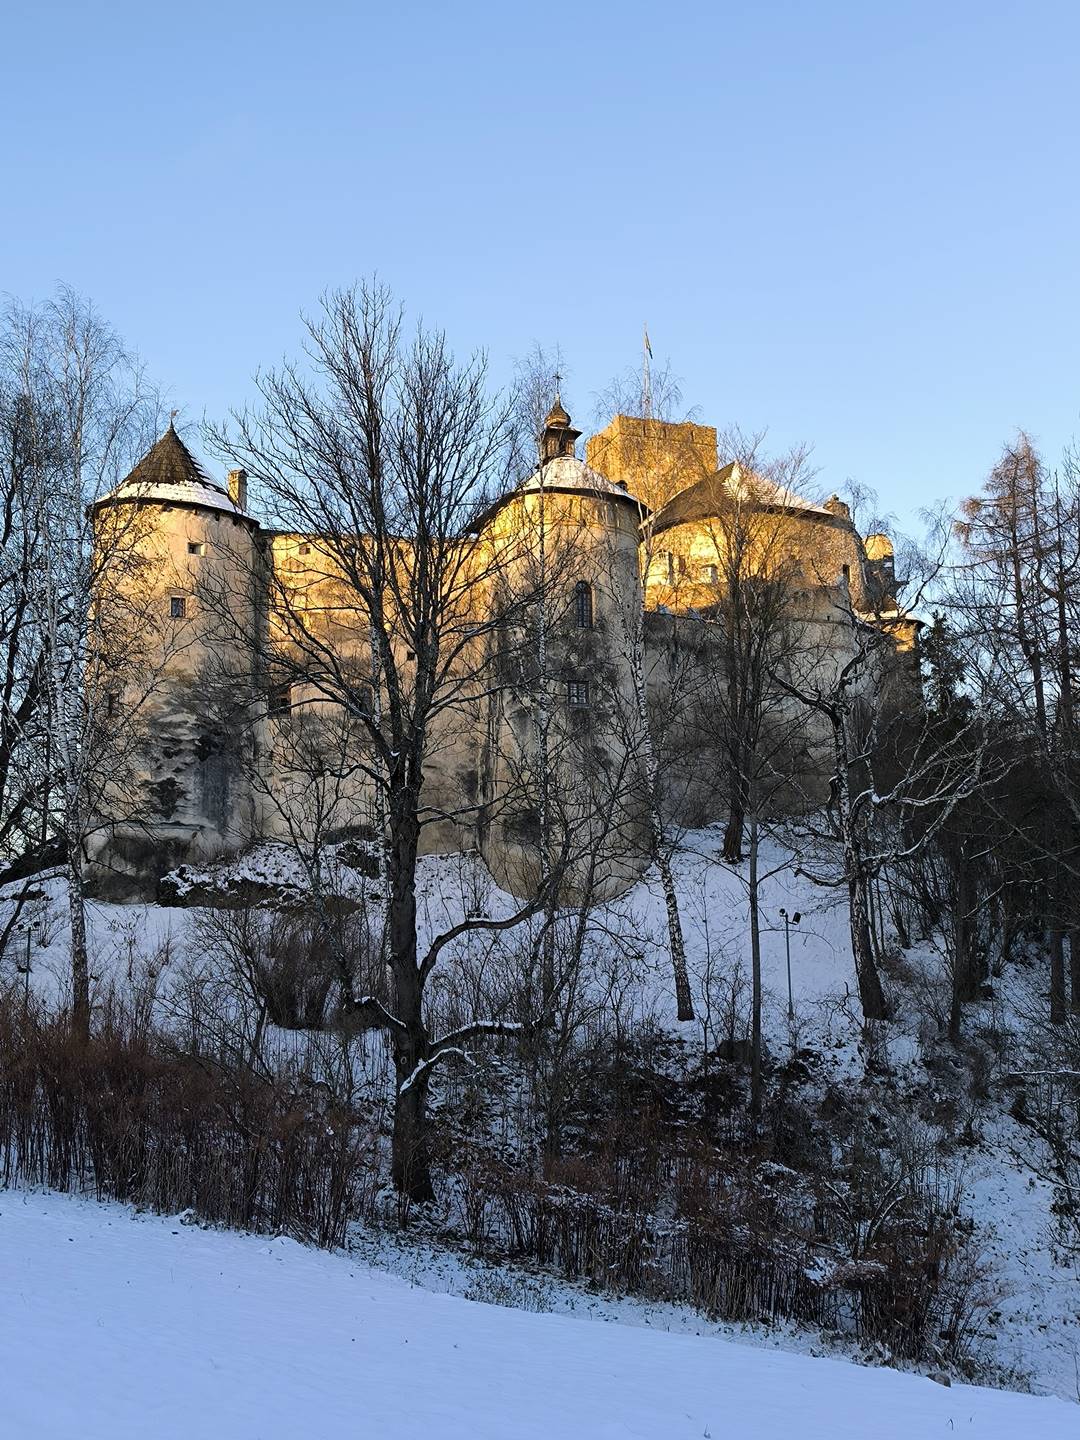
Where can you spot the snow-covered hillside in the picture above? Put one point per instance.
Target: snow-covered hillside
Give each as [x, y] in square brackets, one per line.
[1030, 1327]
[116, 1326]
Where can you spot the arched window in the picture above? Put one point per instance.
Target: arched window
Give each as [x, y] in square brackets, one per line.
[583, 616]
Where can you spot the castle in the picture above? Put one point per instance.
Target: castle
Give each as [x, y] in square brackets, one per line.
[645, 526]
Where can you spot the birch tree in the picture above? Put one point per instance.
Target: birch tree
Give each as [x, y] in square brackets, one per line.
[656, 716]
[87, 413]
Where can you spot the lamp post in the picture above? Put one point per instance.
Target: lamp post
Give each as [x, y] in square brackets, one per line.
[789, 920]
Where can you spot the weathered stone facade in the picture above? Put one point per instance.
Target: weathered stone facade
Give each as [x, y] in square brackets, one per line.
[645, 523]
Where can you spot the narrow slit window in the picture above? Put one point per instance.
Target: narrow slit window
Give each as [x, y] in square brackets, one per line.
[177, 607]
[196, 547]
[711, 574]
[583, 605]
[112, 704]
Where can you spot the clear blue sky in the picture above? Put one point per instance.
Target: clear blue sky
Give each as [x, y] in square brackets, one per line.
[854, 223]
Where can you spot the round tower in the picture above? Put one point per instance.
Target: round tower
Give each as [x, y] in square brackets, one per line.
[178, 598]
[563, 715]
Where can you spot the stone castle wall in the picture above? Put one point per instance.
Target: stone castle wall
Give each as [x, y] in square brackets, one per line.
[235, 744]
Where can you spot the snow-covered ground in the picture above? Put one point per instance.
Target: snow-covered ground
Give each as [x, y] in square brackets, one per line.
[115, 1326]
[1032, 1329]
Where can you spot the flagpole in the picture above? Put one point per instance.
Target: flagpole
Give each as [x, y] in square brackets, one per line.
[646, 378]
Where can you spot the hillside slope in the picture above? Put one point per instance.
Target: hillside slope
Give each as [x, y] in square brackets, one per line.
[1029, 1331]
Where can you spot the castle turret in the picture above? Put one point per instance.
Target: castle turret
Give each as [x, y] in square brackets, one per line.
[180, 551]
[569, 663]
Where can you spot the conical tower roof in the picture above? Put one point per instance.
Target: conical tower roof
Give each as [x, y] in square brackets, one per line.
[169, 474]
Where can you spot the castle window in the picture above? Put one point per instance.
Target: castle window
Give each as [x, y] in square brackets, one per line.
[281, 699]
[196, 547]
[215, 788]
[577, 694]
[177, 607]
[112, 703]
[845, 570]
[583, 606]
[670, 568]
[305, 549]
[710, 574]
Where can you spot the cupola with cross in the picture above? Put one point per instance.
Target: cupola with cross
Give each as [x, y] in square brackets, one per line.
[558, 436]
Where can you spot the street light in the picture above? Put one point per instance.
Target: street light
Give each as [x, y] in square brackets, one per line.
[789, 920]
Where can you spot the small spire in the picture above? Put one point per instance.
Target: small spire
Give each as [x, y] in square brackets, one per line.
[558, 436]
[172, 420]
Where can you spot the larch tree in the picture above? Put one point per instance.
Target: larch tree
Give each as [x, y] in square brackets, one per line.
[1015, 599]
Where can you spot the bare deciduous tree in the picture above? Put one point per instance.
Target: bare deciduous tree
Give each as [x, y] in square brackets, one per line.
[79, 412]
[390, 455]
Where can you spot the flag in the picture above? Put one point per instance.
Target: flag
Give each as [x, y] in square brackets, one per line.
[648, 347]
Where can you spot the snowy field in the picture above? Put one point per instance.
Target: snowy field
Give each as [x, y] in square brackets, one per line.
[116, 1326]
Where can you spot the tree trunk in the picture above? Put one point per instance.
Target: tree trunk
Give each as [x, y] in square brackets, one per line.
[899, 919]
[872, 919]
[651, 768]
[755, 970]
[1057, 976]
[960, 975]
[1074, 971]
[675, 939]
[80, 961]
[965, 984]
[1008, 931]
[410, 1154]
[871, 995]
[733, 830]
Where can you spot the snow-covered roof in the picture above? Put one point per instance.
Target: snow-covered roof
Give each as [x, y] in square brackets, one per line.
[567, 472]
[702, 499]
[759, 488]
[170, 474]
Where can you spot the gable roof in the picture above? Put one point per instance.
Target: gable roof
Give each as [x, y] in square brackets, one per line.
[731, 482]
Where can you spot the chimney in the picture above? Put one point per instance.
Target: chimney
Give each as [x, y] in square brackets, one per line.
[238, 489]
